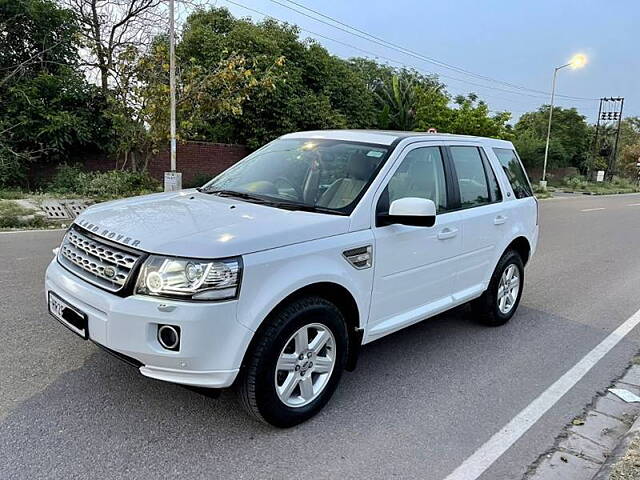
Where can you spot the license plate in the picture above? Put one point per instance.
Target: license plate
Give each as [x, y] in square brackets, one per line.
[68, 315]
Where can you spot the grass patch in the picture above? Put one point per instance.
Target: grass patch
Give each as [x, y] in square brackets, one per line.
[8, 208]
[580, 185]
[10, 194]
[541, 193]
[13, 215]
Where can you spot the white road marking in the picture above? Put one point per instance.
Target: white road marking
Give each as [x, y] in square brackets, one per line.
[499, 443]
[31, 231]
[633, 205]
[592, 209]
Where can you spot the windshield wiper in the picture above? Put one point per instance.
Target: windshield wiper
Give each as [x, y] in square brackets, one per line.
[234, 193]
[307, 208]
[273, 203]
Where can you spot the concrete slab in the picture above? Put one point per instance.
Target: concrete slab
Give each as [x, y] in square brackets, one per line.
[632, 376]
[613, 406]
[583, 447]
[24, 203]
[601, 429]
[564, 466]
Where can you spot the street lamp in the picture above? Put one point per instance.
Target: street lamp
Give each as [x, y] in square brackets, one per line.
[578, 61]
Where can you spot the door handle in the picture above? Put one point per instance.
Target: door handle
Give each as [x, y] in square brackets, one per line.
[499, 220]
[447, 233]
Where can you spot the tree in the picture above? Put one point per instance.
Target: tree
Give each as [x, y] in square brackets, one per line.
[206, 96]
[111, 27]
[397, 93]
[310, 89]
[373, 74]
[629, 146]
[49, 111]
[397, 99]
[468, 116]
[629, 132]
[570, 138]
[629, 157]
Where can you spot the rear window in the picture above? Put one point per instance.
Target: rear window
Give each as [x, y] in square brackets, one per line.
[472, 179]
[514, 171]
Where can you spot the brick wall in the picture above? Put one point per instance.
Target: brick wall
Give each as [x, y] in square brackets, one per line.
[198, 158]
[194, 159]
[554, 175]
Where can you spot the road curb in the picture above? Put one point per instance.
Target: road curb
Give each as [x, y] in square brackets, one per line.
[31, 230]
[619, 451]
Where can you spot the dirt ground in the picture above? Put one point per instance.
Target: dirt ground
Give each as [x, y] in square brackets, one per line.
[628, 468]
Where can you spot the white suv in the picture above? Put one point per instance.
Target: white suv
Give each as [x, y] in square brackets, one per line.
[272, 275]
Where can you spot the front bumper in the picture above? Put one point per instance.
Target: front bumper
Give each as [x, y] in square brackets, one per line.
[212, 342]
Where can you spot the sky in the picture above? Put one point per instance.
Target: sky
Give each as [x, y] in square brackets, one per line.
[515, 41]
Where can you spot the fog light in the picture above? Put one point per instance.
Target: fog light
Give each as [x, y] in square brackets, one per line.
[169, 337]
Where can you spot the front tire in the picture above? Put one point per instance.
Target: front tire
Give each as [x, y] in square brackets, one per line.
[295, 365]
[500, 301]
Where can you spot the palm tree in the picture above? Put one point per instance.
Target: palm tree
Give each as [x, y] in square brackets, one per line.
[397, 100]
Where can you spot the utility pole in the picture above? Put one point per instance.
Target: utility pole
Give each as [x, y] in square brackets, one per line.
[612, 164]
[172, 179]
[608, 125]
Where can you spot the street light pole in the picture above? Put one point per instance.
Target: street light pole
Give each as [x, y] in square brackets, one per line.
[172, 179]
[172, 81]
[543, 182]
[576, 62]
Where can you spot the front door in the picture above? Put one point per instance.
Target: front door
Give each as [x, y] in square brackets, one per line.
[415, 267]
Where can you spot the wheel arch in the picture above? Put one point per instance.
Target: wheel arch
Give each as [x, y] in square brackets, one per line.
[522, 246]
[337, 294]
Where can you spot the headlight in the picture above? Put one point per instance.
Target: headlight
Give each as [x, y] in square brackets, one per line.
[190, 278]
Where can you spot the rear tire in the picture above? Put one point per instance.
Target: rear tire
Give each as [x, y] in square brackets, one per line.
[287, 378]
[500, 301]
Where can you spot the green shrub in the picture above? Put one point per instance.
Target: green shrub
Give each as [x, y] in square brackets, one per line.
[72, 179]
[623, 183]
[576, 182]
[68, 179]
[617, 185]
[11, 194]
[118, 183]
[13, 167]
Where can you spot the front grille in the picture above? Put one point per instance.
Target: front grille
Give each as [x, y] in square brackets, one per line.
[102, 263]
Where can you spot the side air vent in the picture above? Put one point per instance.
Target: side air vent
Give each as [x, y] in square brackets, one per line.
[360, 258]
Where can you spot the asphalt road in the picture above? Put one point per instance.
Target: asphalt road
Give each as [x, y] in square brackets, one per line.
[421, 401]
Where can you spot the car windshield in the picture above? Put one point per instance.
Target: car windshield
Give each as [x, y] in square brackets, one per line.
[314, 174]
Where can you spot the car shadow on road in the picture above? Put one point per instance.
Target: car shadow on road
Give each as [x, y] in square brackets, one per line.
[107, 419]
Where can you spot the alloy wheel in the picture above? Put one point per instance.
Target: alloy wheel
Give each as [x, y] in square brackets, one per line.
[305, 365]
[508, 288]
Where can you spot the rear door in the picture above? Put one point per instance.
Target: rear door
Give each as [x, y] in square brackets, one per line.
[522, 204]
[483, 216]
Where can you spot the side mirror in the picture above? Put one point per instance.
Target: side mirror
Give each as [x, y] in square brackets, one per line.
[416, 212]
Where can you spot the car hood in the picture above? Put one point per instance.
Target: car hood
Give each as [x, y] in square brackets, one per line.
[194, 224]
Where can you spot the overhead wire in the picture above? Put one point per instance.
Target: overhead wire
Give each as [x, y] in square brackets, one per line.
[392, 60]
[387, 44]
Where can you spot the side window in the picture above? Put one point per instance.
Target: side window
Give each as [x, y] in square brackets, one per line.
[421, 174]
[494, 187]
[472, 179]
[514, 171]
